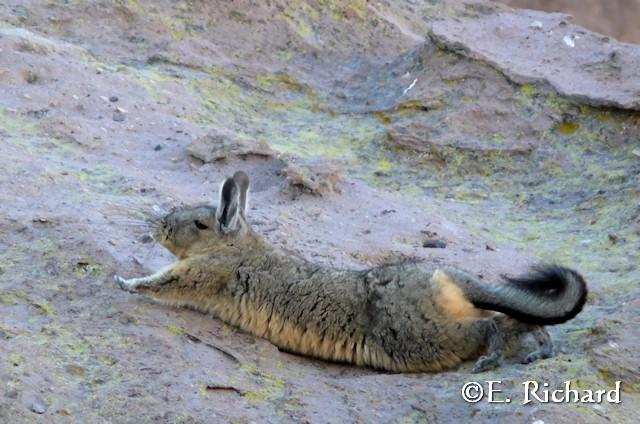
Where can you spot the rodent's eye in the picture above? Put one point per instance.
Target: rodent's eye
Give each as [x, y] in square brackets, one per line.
[200, 225]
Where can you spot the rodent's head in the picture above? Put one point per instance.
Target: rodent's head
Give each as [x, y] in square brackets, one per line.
[188, 230]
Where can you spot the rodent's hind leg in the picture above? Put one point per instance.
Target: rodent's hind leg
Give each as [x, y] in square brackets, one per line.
[495, 348]
[545, 346]
[150, 283]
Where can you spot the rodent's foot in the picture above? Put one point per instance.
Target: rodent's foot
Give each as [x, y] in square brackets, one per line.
[486, 363]
[535, 356]
[123, 284]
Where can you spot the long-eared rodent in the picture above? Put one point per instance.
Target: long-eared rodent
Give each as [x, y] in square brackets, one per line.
[406, 318]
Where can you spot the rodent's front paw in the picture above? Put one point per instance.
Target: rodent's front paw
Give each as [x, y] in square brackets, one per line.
[123, 284]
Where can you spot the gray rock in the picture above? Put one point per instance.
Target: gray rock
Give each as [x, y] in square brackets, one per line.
[220, 144]
[434, 244]
[39, 406]
[118, 116]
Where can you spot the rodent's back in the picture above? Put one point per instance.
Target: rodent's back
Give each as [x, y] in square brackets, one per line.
[382, 317]
[298, 306]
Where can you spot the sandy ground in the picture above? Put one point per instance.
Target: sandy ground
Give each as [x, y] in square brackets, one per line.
[420, 131]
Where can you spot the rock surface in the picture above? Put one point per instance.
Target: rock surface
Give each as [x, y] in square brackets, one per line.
[217, 145]
[580, 65]
[438, 134]
[318, 178]
[615, 17]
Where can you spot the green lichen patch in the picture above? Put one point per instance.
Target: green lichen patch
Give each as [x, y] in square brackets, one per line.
[15, 127]
[43, 308]
[89, 267]
[271, 387]
[175, 330]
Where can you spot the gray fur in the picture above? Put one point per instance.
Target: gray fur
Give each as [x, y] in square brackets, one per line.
[242, 180]
[229, 206]
[405, 317]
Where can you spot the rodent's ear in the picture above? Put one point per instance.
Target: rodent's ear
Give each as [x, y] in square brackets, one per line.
[228, 210]
[242, 180]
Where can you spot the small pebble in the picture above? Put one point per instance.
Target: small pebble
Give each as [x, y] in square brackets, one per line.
[434, 244]
[536, 25]
[37, 114]
[38, 406]
[75, 370]
[113, 99]
[31, 77]
[570, 40]
[118, 116]
[157, 148]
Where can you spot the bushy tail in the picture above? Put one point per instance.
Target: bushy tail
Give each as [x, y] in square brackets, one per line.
[549, 294]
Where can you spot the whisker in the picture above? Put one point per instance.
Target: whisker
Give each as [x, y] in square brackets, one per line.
[130, 223]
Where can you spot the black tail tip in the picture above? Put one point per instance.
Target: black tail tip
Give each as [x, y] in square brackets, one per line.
[569, 279]
[555, 282]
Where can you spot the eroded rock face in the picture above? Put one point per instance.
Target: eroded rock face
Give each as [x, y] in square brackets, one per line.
[319, 178]
[218, 145]
[616, 18]
[446, 101]
[531, 46]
